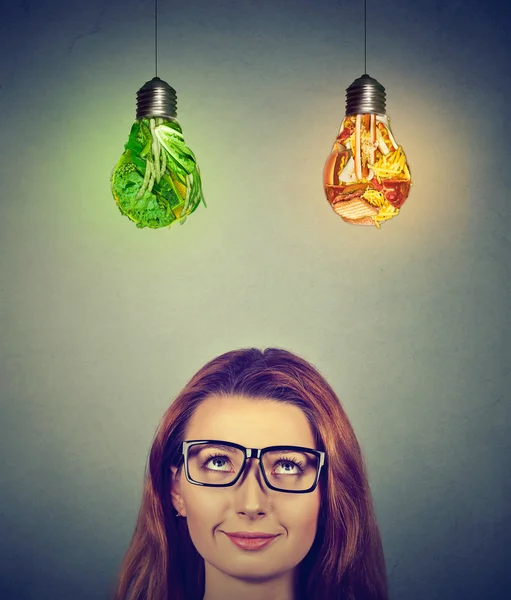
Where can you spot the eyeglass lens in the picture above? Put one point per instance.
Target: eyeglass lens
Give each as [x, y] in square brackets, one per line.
[286, 469]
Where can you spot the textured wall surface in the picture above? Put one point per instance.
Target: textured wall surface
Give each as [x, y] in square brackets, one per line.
[102, 324]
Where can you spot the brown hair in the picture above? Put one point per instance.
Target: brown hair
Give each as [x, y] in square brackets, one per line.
[346, 559]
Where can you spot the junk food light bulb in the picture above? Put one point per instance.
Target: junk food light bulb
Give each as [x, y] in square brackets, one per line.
[366, 177]
[157, 180]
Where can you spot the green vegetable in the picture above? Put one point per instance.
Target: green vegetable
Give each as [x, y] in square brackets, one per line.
[157, 180]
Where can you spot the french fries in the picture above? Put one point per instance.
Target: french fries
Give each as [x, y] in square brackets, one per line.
[385, 210]
[389, 166]
[374, 197]
[385, 213]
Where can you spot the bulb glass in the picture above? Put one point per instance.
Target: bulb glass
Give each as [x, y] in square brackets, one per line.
[366, 177]
[157, 182]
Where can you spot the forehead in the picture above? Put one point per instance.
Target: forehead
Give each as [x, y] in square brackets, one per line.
[251, 422]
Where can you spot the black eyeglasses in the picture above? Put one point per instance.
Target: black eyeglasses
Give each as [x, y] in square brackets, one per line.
[216, 463]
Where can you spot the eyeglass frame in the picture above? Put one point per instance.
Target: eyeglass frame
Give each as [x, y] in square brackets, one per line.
[252, 453]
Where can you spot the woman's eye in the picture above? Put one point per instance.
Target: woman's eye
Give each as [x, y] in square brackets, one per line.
[289, 466]
[214, 462]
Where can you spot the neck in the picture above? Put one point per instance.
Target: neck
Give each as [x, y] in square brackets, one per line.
[220, 586]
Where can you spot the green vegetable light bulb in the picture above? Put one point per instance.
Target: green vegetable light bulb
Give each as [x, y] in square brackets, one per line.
[157, 180]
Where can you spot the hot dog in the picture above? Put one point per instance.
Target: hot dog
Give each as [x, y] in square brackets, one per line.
[373, 139]
[366, 124]
[364, 150]
[347, 127]
[356, 151]
[388, 141]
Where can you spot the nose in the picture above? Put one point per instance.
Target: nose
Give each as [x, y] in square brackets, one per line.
[251, 493]
[252, 468]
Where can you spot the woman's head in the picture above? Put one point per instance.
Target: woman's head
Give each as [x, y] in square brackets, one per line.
[328, 540]
[249, 505]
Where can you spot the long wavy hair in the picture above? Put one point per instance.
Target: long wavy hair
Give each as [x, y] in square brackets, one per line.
[346, 560]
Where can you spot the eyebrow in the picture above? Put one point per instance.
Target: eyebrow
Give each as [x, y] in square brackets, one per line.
[225, 448]
[217, 446]
[290, 451]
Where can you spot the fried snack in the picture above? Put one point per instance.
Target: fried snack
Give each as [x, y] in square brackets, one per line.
[355, 209]
[368, 221]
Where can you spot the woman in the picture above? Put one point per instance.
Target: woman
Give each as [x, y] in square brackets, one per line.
[207, 480]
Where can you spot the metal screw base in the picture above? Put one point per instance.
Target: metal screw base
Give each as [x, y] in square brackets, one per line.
[365, 96]
[156, 98]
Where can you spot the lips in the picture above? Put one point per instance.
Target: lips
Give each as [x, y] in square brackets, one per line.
[251, 534]
[247, 541]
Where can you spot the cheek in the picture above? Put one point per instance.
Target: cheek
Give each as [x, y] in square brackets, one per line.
[204, 513]
[303, 523]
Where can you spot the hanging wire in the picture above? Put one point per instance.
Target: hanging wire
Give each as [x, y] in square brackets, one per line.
[156, 38]
[365, 37]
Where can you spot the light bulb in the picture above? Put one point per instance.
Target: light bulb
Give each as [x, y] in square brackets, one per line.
[366, 177]
[157, 180]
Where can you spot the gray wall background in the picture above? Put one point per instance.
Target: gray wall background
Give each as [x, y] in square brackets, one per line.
[103, 324]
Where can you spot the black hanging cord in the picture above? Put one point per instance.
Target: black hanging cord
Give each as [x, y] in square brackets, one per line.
[156, 37]
[365, 37]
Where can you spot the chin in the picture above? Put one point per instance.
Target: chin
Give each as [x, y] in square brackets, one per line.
[257, 568]
[255, 573]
